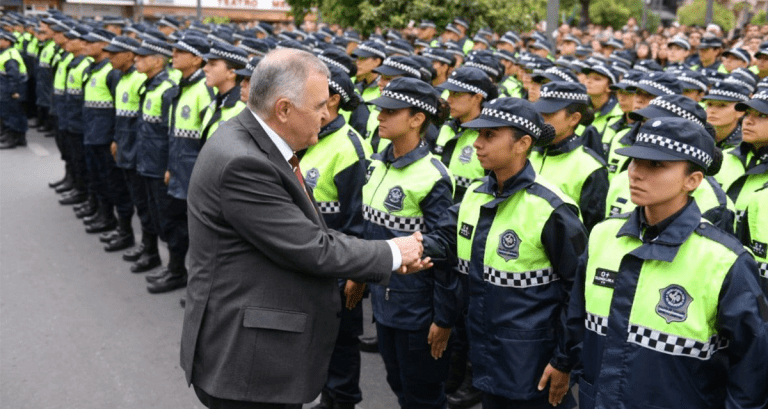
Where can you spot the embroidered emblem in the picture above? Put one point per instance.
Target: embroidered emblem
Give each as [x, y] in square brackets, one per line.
[125, 97]
[509, 245]
[466, 154]
[71, 78]
[93, 82]
[759, 248]
[185, 111]
[466, 230]
[674, 302]
[438, 149]
[312, 176]
[394, 200]
[148, 105]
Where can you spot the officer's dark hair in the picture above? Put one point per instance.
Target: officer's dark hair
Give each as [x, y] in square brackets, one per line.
[349, 106]
[714, 168]
[443, 112]
[586, 111]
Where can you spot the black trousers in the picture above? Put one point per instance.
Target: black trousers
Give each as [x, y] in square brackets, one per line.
[212, 402]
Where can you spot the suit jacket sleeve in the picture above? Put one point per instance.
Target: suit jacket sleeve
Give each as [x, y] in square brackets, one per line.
[254, 200]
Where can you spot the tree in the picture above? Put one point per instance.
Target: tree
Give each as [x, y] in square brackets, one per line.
[694, 14]
[759, 19]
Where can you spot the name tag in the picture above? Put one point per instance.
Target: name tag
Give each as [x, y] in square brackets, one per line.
[605, 278]
[466, 230]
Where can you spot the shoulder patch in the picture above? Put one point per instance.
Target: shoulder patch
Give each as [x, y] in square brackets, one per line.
[712, 232]
[440, 168]
[719, 192]
[356, 142]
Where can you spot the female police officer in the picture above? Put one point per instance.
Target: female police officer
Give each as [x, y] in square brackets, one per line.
[518, 238]
[408, 190]
[666, 327]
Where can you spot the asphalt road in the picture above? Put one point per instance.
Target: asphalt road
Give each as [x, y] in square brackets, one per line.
[77, 328]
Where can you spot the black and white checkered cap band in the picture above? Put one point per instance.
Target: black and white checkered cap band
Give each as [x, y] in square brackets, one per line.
[352, 39]
[569, 96]
[151, 119]
[329, 207]
[189, 48]
[462, 181]
[596, 323]
[157, 49]
[746, 85]
[373, 51]
[397, 50]
[621, 60]
[620, 69]
[228, 55]
[437, 58]
[74, 33]
[559, 74]
[336, 87]
[463, 266]
[729, 94]
[333, 62]
[629, 83]
[762, 269]
[676, 146]
[641, 68]
[468, 87]
[99, 104]
[483, 67]
[186, 133]
[675, 345]
[406, 224]
[519, 280]
[99, 36]
[123, 45]
[402, 67]
[250, 50]
[762, 95]
[677, 110]
[656, 85]
[529, 126]
[694, 81]
[410, 100]
[602, 70]
[215, 38]
[127, 113]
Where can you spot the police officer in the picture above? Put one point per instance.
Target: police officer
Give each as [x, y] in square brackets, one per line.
[391, 68]
[370, 55]
[721, 103]
[127, 106]
[566, 162]
[618, 127]
[666, 327]
[188, 101]
[510, 85]
[245, 75]
[713, 203]
[335, 169]
[44, 76]
[13, 82]
[152, 143]
[599, 80]
[221, 67]
[517, 237]
[408, 190]
[60, 64]
[468, 88]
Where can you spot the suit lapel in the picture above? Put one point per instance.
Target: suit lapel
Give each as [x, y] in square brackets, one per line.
[264, 143]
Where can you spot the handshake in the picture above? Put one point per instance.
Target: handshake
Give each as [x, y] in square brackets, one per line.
[411, 250]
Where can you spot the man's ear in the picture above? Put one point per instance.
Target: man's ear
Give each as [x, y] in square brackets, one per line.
[283, 108]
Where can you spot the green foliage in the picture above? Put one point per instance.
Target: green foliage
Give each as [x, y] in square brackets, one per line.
[760, 18]
[216, 20]
[694, 14]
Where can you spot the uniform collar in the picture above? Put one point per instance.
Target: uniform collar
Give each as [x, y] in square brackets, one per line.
[608, 106]
[332, 126]
[674, 231]
[567, 145]
[733, 138]
[155, 81]
[620, 124]
[388, 155]
[99, 65]
[230, 98]
[518, 182]
[195, 77]
[76, 61]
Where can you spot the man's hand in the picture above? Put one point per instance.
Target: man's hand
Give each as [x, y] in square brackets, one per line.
[15, 95]
[410, 249]
[113, 150]
[353, 292]
[438, 338]
[167, 177]
[558, 384]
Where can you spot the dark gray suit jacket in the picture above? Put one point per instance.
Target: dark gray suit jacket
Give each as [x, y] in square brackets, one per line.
[262, 301]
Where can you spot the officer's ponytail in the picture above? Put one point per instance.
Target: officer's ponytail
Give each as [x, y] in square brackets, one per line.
[443, 112]
[586, 111]
[717, 162]
[352, 104]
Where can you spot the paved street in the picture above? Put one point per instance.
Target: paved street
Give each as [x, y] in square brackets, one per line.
[77, 328]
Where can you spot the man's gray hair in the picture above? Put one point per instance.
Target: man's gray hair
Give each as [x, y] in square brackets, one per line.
[282, 73]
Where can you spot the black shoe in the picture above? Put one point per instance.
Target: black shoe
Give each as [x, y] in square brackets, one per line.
[86, 211]
[58, 183]
[146, 262]
[120, 243]
[467, 395]
[100, 227]
[81, 206]
[94, 218]
[21, 139]
[9, 143]
[133, 254]
[326, 402]
[79, 197]
[64, 187]
[109, 236]
[183, 301]
[369, 344]
[169, 282]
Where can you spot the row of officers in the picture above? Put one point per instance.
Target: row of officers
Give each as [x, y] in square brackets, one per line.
[620, 246]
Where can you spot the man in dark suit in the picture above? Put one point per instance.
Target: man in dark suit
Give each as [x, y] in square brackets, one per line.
[262, 299]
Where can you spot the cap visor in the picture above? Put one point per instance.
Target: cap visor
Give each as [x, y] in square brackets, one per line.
[648, 112]
[362, 53]
[389, 103]
[71, 36]
[390, 71]
[756, 104]
[548, 106]
[244, 72]
[647, 88]
[115, 49]
[486, 123]
[146, 51]
[647, 153]
[622, 86]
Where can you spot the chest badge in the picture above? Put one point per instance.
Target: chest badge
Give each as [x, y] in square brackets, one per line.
[674, 302]
[466, 154]
[394, 200]
[125, 97]
[93, 83]
[148, 104]
[312, 176]
[71, 78]
[509, 245]
[185, 111]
